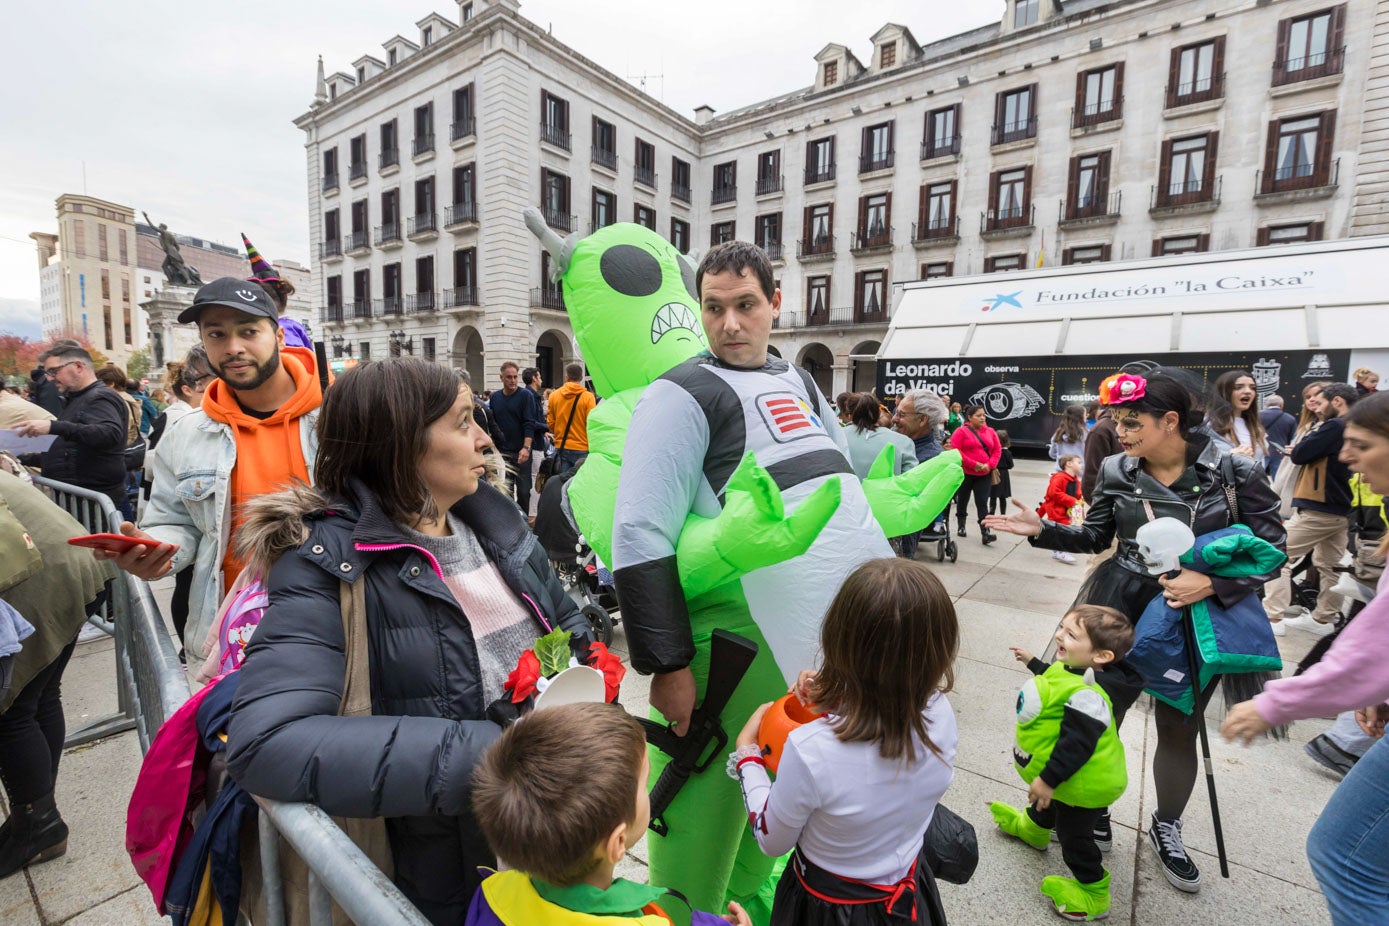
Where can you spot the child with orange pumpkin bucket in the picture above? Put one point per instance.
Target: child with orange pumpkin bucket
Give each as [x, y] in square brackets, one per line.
[856, 788]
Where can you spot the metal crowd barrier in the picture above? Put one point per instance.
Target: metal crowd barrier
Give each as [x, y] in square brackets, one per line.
[151, 685]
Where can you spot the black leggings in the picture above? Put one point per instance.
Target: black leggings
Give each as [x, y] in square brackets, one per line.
[1175, 759]
[1075, 830]
[32, 732]
[979, 487]
[178, 604]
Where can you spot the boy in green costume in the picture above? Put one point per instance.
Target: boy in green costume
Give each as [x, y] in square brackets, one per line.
[1068, 751]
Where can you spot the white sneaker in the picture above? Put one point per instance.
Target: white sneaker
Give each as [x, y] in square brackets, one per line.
[1063, 556]
[1280, 628]
[1308, 623]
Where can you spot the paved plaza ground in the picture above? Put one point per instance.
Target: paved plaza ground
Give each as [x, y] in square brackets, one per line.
[1006, 594]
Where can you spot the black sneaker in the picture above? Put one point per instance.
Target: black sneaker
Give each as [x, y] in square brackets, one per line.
[1330, 756]
[961, 531]
[1165, 836]
[1104, 833]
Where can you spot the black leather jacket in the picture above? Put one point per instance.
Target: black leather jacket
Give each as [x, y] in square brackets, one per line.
[1125, 494]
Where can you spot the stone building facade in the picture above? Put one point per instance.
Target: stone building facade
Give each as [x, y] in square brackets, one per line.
[1069, 131]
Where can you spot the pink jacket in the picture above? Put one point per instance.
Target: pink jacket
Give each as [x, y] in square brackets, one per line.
[1353, 674]
[977, 447]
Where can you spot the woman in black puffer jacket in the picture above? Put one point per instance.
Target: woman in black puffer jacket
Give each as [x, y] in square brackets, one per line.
[456, 588]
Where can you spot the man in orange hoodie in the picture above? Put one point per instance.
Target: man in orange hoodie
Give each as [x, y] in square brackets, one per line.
[568, 418]
[254, 434]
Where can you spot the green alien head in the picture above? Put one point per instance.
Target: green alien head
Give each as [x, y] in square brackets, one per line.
[631, 300]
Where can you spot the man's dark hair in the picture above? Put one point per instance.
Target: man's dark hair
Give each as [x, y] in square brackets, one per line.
[73, 351]
[574, 372]
[736, 256]
[1340, 391]
[529, 374]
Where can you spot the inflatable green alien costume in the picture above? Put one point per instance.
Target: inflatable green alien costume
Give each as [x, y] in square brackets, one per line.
[630, 298]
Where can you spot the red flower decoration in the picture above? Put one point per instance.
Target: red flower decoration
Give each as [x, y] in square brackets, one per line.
[611, 666]
[521, 682]
[1126, 388]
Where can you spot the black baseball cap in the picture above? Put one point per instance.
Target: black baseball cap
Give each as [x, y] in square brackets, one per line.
[233, 292]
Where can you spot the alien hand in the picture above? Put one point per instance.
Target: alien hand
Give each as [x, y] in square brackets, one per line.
[908, 503]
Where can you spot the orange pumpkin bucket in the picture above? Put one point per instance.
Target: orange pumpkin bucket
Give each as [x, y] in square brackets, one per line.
[785, 715]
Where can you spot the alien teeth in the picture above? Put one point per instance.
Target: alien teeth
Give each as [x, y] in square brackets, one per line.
[672, 315]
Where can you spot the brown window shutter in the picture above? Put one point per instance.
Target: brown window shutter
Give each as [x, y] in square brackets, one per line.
[834, 145]
[1072, 188]
[1102, 181]
[863, 148]
[1326, 145]
[1270, 158]
[1316, 230]
[1337, 37]
[862, 214]
[998, 112]
[1104, 251]
[809, 155]
[993, 195]
[954, 201]
[1079, 117]
[830, 230]
[959, 114]
[926, 129]
[1118, 89]
[921, 216]
[1157, 247]
[892, 136]
[858, 293]
[887, 216]
[1032, 104]
[1203, 242]
[806, 227]
[1173, 72]
[1262, 238]
[1280, 54]
[950, 268]
[1164, 193]
[1218, 68]
[1026, 196]
[1212, 152]
[1067, 256]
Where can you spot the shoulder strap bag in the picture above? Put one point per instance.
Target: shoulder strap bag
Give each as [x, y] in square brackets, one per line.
[547, 465]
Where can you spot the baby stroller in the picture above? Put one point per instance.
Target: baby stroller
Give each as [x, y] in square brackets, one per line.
[584, 578]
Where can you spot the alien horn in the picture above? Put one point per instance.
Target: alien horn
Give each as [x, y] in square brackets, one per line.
[561, 249]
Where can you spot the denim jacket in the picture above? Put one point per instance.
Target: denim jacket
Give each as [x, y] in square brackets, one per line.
[190, 505]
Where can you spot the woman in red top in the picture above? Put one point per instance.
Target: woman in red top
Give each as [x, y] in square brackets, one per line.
[979, 449]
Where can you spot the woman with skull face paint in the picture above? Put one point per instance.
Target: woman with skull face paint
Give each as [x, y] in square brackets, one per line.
[1169, 468]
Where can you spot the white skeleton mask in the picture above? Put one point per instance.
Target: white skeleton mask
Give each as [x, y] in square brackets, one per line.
[1162, 542]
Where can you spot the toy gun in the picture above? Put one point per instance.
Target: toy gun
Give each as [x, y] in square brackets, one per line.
[729, 658]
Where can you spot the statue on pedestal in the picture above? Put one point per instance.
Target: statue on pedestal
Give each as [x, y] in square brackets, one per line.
[175, 270]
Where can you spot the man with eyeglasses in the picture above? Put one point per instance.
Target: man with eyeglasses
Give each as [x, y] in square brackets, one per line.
[89, 451]
[919, 415]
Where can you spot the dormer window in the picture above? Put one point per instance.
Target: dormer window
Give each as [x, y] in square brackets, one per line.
[333, 90]
[831, 73]
[361, 74]
[887, 55]
[391, 58]
[467, 9]
[427, 35]
[1025, 12]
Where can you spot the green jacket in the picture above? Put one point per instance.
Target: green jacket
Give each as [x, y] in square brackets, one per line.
[1042, 703]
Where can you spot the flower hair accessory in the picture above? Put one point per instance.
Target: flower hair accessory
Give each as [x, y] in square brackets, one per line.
[551, 656]
[1125, 387]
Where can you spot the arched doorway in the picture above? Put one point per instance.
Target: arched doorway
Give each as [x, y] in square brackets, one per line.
[551, 353]
[817, 360]
[863, 374]
[467, 356]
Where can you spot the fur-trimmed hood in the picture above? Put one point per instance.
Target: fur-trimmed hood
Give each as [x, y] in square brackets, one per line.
[275, 523]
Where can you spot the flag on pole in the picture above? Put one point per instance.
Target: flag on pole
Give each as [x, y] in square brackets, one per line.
[1042, 251]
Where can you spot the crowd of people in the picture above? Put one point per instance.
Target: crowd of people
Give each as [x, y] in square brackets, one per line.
[386, 518]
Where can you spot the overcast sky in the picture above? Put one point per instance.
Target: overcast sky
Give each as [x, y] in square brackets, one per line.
[186, 109]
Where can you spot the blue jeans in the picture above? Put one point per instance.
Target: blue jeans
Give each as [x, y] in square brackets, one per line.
[1349, 845]
[568, 459]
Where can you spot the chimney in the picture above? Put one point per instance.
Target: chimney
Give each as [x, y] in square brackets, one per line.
[703, 114]
[320, 92]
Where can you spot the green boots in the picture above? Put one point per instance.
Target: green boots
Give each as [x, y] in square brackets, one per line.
[1078, 902]
[1017, 823]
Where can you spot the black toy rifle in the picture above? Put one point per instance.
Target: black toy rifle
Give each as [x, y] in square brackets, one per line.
[730, 656]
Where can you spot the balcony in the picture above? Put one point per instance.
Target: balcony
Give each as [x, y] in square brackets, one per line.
[723, 194]
[773, 250]
[868, 163]
[819, 175]
[875, 239]
[1097, 113]
[558, 220]
[463, 128]
[941, 230]
[809, 250]
[356, 243]
[603, 157]
[1201, 90]
[1007, 132]
[1010, 222]
[358, 171]
[767, 186]
[388, 235]
[424, 225]
[460, 296]
[829, 317]
[418, 303]
[390, 306]
[423, 144]
[1299, 182]
[330, 182]
[361, 309]
[460, 214]
[933, 148]
[1309, 67]
[1090, 210]
[646, 176]
[330, 249]
[389, 157]
[330, 314]
[1182, 197]
[680, 191]
[554, 135]
[548, 297]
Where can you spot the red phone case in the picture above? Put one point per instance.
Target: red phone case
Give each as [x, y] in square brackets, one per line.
[111, 543]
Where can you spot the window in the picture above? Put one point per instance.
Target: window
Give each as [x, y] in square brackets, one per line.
[1002, 262]
[390, 216]
[877, 148]
[361, 74]
[1181, 244]
[819, 160]
[769, 172]
[364, 351]
[604, 209]
[1197, 73]
[391, 289]
[1015, 115]
[464, 117]
[467, 12]
[680, 179]
[887, 55]
[1025, 12]
[333, 90]
[106, 317]
[817, 300]
[334, 299]
[937, 211]
[124, 248]
[644, 216]
[942, 133]
[1086, 254]
[361, 294]
[870, 296]
[358, 149]
[428, 350]
[360, 225]
[644, 171]
[464, 277]
[875, 220]
[1299, 153]
[101, 241]
[680, 235]
[720, 232]
[1291, 234]
[390, 150]
[1087, 190]
[1010, 198]
[106, 285]
[465, 188]
[1310, 46]
[725, 182]
[424, 198]
[424, 128]
[831, 73]
[819, 229]
[1099, 95]
[1186, 173]
[391, 58]
[938, 269]
[554, 120]
[767, 234]
[604, 149]
[330, 169]
[554, 200]
[424, 282]
[332, 230]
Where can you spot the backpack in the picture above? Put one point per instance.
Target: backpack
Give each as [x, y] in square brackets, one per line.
[236, 621]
